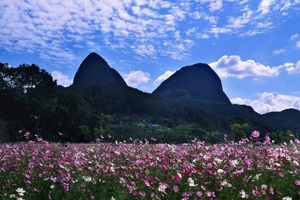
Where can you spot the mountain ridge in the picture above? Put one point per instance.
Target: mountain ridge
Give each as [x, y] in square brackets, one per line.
[94, 57]
[193, 90]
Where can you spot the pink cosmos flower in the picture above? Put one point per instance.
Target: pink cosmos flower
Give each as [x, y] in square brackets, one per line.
[267, 139]
[199, 194]
[27, 134]
[255, 134]
[142, 193]
[271, 190]
[210, 194]
[175, 188]
[297, 182]
[264, 186]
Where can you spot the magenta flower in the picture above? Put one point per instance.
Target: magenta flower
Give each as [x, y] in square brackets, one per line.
[255, 134]
[267, 139]
[177, 177]
[297, 182]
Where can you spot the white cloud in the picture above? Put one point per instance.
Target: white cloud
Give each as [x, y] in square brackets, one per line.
[202, 35]
[233, 66]
[213, 4]
[190, 31]
[279, 51]
[243, 1]
[269, 102]
[51, 25]
[50, 28]
[298, 44]
[177, 51]
[294, 36]
[292, 68]
[163, 77]
[216, 5]
[61, 78]
[135, 78]
[241, 21]
[217, 30]
[264, 6]
[144, 49]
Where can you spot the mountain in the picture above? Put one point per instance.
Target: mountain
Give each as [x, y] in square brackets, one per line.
[95, 70]
[285, 120]
[197, 81]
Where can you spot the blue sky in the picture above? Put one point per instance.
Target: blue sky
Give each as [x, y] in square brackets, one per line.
[253, 45]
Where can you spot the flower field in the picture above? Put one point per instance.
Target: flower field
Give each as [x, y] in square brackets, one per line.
[244, 170]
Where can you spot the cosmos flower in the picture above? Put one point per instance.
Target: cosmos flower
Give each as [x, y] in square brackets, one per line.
[20, 191]
[255, 134]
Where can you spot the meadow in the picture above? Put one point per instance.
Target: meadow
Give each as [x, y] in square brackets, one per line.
[248, 169]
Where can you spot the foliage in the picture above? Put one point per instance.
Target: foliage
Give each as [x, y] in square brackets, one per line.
[239, 130]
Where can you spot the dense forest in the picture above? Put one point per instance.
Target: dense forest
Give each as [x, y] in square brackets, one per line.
[32, 101]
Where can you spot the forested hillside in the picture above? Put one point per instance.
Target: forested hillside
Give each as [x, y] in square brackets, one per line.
[32, 101]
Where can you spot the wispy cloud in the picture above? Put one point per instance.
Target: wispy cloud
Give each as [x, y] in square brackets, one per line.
[163, 77]
[279, 51]
[269, 101]
[213, 4]
[135, 78]
[294, 36]
[218, 30]
[240, 21]
[56, 29]
[298, 44]
[234, 66]
[264, 6]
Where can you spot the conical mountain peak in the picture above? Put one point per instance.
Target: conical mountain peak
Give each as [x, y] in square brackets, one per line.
[95, 70]
[198, 81]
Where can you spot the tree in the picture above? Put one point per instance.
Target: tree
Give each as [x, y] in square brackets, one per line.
[26, 95]
[239, 130]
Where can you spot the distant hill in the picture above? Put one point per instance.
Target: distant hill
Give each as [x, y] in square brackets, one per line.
[285, 120]
[197, 81]
[95, 70]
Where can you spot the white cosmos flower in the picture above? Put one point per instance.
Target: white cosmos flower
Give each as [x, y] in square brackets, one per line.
[242, 194]
[191, 182]
[20, 191]
[287, 198]
[162, 187]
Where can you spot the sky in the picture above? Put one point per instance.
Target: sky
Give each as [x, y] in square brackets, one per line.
[253, 45]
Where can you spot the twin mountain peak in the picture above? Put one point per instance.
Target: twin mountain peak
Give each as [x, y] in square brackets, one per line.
[198, 81]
